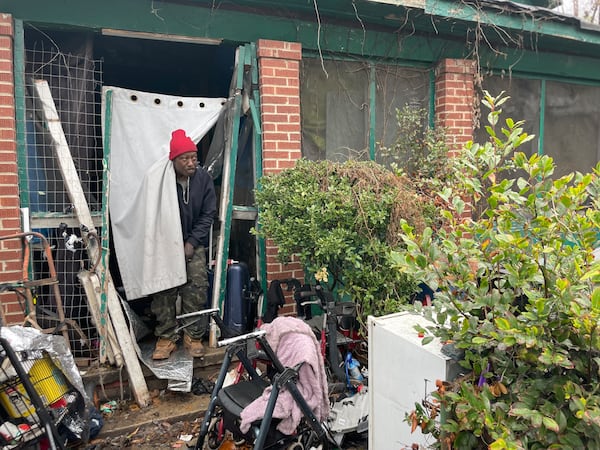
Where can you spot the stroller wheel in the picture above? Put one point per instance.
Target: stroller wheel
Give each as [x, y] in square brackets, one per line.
[215, 435]
[295, 446]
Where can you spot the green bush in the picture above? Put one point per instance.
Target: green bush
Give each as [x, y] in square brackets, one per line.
[517, 293]
[343, 219]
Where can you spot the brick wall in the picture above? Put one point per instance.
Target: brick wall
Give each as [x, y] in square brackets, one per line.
[455, 100]
[279, 82]
[10, 219]
[455, 103]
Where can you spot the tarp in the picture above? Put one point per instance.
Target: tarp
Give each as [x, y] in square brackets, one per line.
[146, 228]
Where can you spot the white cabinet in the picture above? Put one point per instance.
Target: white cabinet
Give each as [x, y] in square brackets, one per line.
[402, 371]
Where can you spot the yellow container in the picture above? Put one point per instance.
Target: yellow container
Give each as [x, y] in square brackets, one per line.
[16, 402]
[48, 381]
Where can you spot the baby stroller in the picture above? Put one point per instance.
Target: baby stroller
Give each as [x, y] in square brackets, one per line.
[286, 407]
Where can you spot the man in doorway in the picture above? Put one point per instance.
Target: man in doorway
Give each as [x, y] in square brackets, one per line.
[197, 208]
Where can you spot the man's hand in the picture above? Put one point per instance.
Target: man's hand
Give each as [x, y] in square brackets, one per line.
[189, 251]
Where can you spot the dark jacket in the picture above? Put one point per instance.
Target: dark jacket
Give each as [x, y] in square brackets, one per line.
[198, 214]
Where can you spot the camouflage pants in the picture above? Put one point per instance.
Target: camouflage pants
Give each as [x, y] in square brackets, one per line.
[193, 298]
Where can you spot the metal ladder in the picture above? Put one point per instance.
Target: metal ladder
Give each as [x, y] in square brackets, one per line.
[245, 95]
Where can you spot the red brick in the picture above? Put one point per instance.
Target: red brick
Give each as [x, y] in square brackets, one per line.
[288, 145]
[271, 155]
[8, 252]
[11, 190]
[6, 277]
[8, 134]
[6, 53]
[265, 71]
[6, 77]
[287, 91]
[276, 63]
[267, 90]
[8, 178]
[14, 311]
[268, 108]
[7, 106]
[295, 155]
[278, 49]
[6, 66]
[9, 213]
[286, 74]
[268, 126]
[288, 127]
[279, 137]
[274, 118]
[11, 224]
[273, 267]
[465, 124]
[9, 266]
[273, 81]
[288, 109]
[6, 122]
[282, 164]
[8, 167]
[13, 244]
[269, 165]
[6, 21]
[267, 145]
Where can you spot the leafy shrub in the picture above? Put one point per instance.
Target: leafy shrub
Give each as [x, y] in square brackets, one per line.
[517, 293]
[344, 218]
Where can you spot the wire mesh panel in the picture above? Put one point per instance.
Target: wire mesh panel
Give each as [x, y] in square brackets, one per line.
[74, 81]
[70, 258]
[65, 62]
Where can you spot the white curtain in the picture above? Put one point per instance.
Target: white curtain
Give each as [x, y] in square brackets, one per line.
[146, 228]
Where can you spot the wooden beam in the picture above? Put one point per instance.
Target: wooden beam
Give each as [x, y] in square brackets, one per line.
[77, 197]
[91, 286]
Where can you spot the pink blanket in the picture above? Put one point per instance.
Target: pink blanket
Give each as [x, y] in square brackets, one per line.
[294, 342]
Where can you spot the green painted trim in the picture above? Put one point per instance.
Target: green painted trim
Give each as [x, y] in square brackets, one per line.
[432, 99]
[423, 46]
[308, 53]
[254, 72]
[105, 233]
[373, 106]
[20, 111]
[516, 74]
[261, 245]
[238, 79]
[527, 21]
[255, 120]
[542, 118]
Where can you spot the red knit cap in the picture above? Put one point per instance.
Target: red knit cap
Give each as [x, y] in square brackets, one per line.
[180, 144]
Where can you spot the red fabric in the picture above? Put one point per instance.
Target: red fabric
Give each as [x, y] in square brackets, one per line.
[180, 144]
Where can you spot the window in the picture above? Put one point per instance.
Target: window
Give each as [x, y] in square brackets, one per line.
[336, 106]
[524, 104]
[572, 126]
[571, 119]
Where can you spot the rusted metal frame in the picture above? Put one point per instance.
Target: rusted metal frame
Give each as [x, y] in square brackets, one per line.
[52, 280]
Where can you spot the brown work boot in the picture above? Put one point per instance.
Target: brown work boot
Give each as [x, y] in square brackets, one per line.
[164, 348]
[194, 346]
